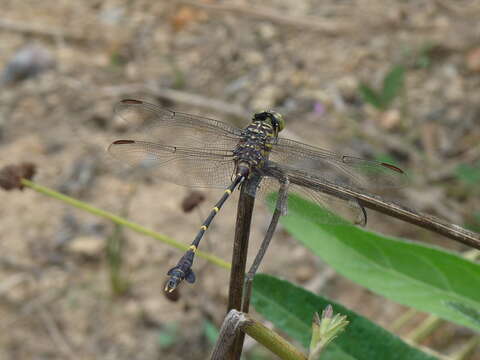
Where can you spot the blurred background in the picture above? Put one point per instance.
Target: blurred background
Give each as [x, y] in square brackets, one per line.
[397, 81]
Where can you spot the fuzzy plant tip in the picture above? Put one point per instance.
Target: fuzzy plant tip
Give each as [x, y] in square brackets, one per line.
[325, 329]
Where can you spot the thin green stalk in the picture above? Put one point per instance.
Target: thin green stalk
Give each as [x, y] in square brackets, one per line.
[272, 341]
[121, 221]
[428, 325]
[236, 322]
[467, 349]
[114, 251]
[403, 319]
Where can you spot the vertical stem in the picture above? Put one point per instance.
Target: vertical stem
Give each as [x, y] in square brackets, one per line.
[232, 325]
[239, 260]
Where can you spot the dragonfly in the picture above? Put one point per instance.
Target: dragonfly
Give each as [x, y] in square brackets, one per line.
[196, 151]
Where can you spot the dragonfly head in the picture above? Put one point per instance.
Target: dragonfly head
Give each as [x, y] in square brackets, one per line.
[273, 118]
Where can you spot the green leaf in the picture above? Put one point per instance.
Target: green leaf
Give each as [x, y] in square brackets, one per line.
[291, 309]
[474, 223]
[469, 312]
[468, 174]
[168, 336]
[392, 85]
[258, 353]
[423, 61]
[211, 331]
[119, 283]
[412, 274]
[370, 96]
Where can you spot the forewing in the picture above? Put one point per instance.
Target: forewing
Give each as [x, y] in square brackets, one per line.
[181, 148]
[336, 168]
[201, 167]
[150, 122]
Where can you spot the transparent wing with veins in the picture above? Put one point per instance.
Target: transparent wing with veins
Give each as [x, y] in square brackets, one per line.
[196, 151]
[180, 148]
[307, 166]
[343, 170]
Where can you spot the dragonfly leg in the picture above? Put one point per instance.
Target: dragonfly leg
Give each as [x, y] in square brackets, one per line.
[281, 206]
[361, 219]
[282, 200]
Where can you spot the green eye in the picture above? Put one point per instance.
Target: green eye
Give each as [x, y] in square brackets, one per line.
[279, 121]
[272, 117]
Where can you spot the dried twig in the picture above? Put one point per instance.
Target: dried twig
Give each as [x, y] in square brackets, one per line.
[230, 328]
[11, 282]
[239, 255]
[40, 30]
[239, 258]
[465, 8]
[398, 211]
[177, 96]
[54, 331]
[329, 27]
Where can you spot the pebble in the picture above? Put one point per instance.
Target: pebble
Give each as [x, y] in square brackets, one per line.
[303, 273]
[29, 61]
[89, 246]
[390, 119]
[473, 60]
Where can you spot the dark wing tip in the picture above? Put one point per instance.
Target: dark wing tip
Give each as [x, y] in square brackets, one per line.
[131, 101]
[392, 167]
[122, 142]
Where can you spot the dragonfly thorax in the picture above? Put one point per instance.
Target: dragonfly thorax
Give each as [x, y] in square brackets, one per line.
[254, 146]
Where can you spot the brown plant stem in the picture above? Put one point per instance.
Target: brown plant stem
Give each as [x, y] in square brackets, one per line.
[239, 260]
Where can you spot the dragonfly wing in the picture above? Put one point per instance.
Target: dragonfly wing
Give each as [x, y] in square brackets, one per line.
[202, 167]
[336, 211]
[336, 168]
[152, 123]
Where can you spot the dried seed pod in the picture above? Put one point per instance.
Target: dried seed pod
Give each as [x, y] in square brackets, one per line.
[192, 200]
[11, 175]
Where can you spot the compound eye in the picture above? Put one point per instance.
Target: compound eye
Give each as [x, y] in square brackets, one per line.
[262, 116]
[278, 121]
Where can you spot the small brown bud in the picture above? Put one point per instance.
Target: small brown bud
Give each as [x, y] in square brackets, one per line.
[192, 200]
[11, 175]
